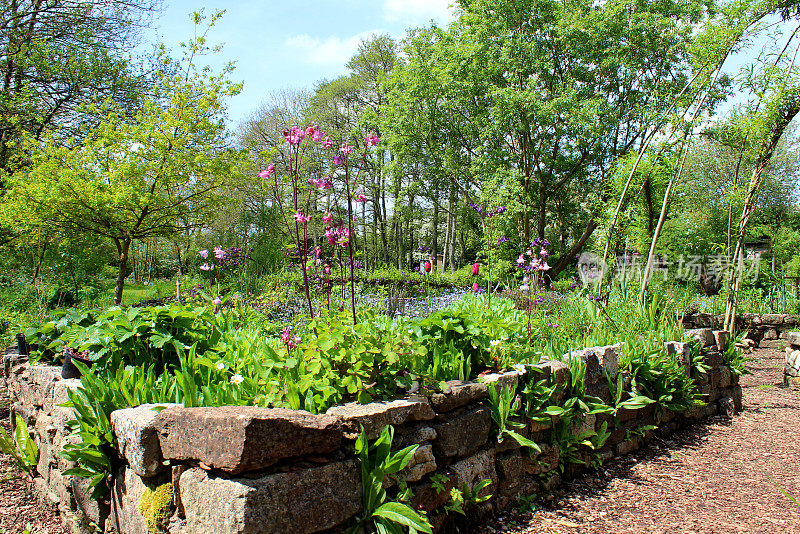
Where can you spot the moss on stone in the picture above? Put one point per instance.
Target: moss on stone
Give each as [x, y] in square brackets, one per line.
[156, 507]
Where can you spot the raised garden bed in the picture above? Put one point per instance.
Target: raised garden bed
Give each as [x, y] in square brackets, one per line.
[249, 469]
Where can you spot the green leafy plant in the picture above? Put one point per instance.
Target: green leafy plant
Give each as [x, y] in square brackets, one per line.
[505, 405]
[21, 448]
[461, 500]
[735, 358]
[380, 514]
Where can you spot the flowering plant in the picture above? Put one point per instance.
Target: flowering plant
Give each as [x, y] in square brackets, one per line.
[487, 217]
[298, 211]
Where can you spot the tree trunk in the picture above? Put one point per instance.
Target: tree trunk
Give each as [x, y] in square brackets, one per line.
[123, 248]
[791, 107]
[568, 256]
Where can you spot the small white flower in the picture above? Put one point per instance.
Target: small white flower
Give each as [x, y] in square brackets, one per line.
[237, 379]
[220, 366]
[410, 331]
[494, 342]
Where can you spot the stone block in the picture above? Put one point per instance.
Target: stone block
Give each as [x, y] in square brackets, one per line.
[544, 462]
[594, 368]
[629, 446]
[422, 464]
[794, 339]
[375, 416]
[92, 510]
[501, 380]
[789, 320]
[475, 469]
[770, 334]
[772, 319]
[56, 393]
[558, 371]
[682, 351]
[406, 435]
[726, 407]
[463, 432]
[703, 335]
[299, 502]
[126, 497]
[736, 395]
[429, 496]
[725, 377]
[241, 438]
[137, 438]
[457, 394]
[721, 339]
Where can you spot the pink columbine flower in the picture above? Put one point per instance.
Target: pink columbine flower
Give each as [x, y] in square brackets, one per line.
[219, 253]
[476, 268]
[524, 287]
[361, 198]
[216, 301]
[205, 267]
[301, 217]
[203, 254]
[295, 135]
[327, 269]
[327, 218]
[267, 172]
[372, 139]
[345, 148]
[338, 160]
[475, 287]
[327, 143]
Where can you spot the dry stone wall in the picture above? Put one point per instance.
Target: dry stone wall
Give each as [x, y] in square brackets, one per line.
[791, 369]
[258, 470]
[759, 327]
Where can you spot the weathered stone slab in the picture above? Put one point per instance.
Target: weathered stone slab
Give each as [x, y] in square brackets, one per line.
[721, 339]
[772, 319]
[725, 377]
[406, 435]
[726, 406]
[501, 380]
[463, 433]
[137, 438]
[794, 339]
[57, 392]
[475, 469]
[240, 438]
[559, 371]
[375, 416]
[457, 394]
[704, 335]
[421, 464]
[297, 502]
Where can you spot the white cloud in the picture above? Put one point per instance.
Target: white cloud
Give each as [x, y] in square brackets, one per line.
[419, 11]
[332, 51]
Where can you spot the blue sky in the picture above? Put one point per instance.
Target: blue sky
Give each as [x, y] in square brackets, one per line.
[291, 45]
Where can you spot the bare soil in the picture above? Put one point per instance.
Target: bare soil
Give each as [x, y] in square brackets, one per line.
[721, 476]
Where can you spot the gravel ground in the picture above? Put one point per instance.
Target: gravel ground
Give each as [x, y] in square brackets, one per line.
[718, 477]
